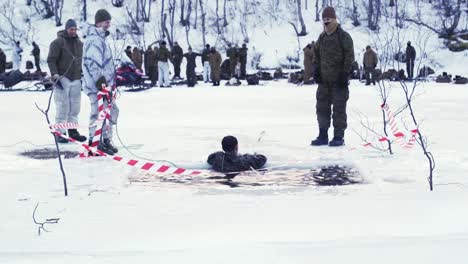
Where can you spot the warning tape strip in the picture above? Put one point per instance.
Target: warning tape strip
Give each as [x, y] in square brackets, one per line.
[147, 166]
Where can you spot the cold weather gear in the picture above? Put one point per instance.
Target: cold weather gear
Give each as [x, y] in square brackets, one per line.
[151, 64]
[101, 16]
[322, 138]
[370, 62]
[65, 56]
[232, 54]
[67, 99]
[163, 74]
[228, 162]
[70, 24]
[329, 12]
[97, 60]
[243, 61]
[410, 58]
[137, 58]
[190, 70]
[106, 133]
[36, 52]
[177, 54]
[2, 61]
[336, 142]
[308, 62]
[334, 55]
[16, 57]
[73, 133]
[163, 54]
[215, 64]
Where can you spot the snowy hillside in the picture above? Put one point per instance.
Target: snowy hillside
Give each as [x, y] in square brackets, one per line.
[266, 25]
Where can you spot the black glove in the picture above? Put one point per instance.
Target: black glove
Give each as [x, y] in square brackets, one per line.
[343, 79]
[317, 76]
[100, 82]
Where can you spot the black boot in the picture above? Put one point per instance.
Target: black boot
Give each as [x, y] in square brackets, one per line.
[108, 144]
[102, 147]
[336, 142]
[322, 139]
[73, 133]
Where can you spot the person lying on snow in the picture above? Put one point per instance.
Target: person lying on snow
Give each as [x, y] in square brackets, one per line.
[230, 162]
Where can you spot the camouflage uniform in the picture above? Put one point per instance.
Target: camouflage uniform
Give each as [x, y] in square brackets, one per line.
[232, 54]
[334, 55]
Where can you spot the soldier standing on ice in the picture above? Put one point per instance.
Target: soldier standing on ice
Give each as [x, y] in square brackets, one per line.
[243, 60]
[370, 63]
[99, 70]
[36, 52]
[64, 61]
[177, 54]
[215, 65]
[163, 65]
[191, 65]
[206, 64]
[410, 58]
[334, 56]
[17, 54]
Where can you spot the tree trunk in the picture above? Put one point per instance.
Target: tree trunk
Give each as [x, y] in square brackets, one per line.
[163, 20]
[317, 11]
[58, 7]
[84, 10]
[301, 19]
[355, 15]
[196, 15]
[217, 17]
[203, 16]
[182, 12]
[225, 23]
[370, 15]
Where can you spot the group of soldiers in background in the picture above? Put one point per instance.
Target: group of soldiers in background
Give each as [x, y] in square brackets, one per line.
[156, 62]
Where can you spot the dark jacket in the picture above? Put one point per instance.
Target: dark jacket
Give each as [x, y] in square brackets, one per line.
[2, 62]
[205, 55]
[150, 58]
[243, 55]
[410, 53]
[36, 52]
[163, 54]
[177, 54]
[65, 56]
[227, 162]
[334, 54]
[191, 60]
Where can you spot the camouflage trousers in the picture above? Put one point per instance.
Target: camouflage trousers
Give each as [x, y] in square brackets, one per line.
[331, 103]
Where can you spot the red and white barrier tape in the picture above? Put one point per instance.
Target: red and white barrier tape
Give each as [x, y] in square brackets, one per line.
[146, 166]
[399, 136]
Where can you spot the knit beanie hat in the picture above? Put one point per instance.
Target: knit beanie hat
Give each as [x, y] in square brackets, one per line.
[329, 12]
[101, 16]
[70, 24]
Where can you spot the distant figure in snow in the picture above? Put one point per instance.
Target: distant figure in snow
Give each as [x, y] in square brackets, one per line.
[229, 161]
[36, 52]
[17, 54]
[410, 57]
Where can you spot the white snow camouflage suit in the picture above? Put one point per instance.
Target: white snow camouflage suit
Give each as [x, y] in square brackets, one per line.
[98, 61]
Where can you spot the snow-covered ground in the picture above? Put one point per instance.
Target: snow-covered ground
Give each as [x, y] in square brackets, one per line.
[391, 218]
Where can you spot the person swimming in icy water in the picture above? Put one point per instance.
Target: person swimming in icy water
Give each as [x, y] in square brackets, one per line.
[230, 162]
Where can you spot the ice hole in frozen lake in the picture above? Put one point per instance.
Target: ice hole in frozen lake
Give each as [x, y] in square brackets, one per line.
[331, 175]
[48, 153]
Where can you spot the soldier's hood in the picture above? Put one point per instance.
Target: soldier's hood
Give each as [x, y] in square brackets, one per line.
[64, 34]
[93, 31]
